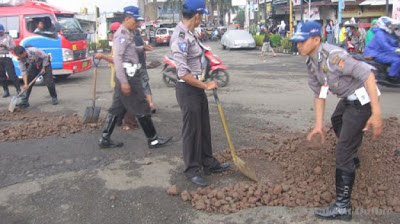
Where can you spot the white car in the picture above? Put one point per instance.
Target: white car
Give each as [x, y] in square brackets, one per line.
[234, 39]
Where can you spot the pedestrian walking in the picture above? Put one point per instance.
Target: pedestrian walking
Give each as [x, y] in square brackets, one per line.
[33, 61]
[330, 32]
[145, 75]
[187, 52]
[332, 68]
[128, 121]
[282, 29]
[6, 64]
[266, 43]
[129, 95]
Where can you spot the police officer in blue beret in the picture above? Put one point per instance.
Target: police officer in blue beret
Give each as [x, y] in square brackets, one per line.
[129, 95]
[331, 68]
[187, 52]
[6, 64]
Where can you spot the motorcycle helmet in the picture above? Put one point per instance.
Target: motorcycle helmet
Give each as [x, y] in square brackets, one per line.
[385, 23]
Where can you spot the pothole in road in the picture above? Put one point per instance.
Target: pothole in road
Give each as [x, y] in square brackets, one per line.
[298, 173]
[32, 124]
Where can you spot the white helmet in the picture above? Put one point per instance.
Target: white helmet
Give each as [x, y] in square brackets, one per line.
[385, 23]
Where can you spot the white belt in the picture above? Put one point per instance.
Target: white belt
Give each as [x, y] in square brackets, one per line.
[198, 77]
[129, 65]
[352, 97]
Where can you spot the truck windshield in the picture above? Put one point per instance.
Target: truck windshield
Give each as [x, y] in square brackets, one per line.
[70, 27]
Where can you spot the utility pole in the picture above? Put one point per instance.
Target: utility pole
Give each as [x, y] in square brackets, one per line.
[339, 17]
[301, 10]
[265, 12]
[387, 8]
[290, 17]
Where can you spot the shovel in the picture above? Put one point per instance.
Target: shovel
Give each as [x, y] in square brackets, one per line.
[239, 163]
[92, 113]
[14, 100]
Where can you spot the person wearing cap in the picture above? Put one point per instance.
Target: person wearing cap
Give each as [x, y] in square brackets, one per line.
[129, 120]
[332, 68]
[6, 64]
[129, 95]
[187, 52]
[142, 58]
[33, 61]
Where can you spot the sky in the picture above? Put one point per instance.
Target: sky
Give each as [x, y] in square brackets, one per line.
[104, 5]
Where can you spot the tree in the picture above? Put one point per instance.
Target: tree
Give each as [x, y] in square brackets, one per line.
[225, 6]
[240, 18]
[174, 5]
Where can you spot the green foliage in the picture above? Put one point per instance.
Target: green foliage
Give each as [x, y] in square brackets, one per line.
[92, 46]
[240, 18]
[103, 44]
[253, 29]
[275, 40]
[286, 43]
[259, 39]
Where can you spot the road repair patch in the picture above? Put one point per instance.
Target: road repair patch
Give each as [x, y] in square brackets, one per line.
[298, 173]
[33, 125]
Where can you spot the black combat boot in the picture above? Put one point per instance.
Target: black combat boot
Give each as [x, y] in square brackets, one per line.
[153, 141]
[53, 94]
[5, 88]
[341, 209]
[105, 140]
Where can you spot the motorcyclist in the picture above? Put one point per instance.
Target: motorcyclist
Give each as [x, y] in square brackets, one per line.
[384, 47]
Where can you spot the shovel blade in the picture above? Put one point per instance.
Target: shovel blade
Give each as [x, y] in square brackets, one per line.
[13, 103]
[244, 168]
[91, 115]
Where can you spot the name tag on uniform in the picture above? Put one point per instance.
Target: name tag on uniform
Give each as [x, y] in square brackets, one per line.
[323, 94]
[362, 95]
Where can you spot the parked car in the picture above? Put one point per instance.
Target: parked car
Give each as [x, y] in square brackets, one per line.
[163, 35]
[237, 39]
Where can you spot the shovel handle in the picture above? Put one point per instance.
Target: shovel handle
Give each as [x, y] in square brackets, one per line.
[96, 62]
[29, 85]
[94, 86]
[224, 123]
[216, 98]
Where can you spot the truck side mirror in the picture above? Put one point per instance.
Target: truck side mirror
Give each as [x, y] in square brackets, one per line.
[57, 27]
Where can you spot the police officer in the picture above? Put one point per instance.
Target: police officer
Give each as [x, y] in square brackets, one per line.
[142, 59]
[6, 64]
[129, 94]
[332, 68]
[33, 61]
[187, 52]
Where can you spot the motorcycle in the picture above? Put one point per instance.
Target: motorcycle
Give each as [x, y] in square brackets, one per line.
[381, 71]
[214, 70]
[351, 47]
